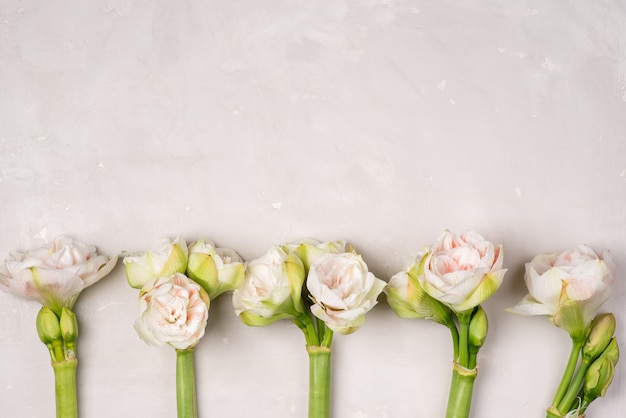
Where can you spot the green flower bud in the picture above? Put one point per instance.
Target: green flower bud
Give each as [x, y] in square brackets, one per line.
[478, 328]
[164, 259]
[612, 351]
[271, 289]
[409, 300]
[48, 327]
[598, 378]
[602, 329]
[69, 325]
[311, 250]
[217, 270]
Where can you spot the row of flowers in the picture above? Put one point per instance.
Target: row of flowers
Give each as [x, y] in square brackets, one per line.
[325, 289]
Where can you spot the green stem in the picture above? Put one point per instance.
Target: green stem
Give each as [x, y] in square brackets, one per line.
[572, 392]
[553, 413]
[472, 358]
[328, 338]
[319, 381]
[321, 329]
[461, 388]
[464, 321]
[65, 388]
[455, 338]
[568, 373]
[311, 331]
[186, 384]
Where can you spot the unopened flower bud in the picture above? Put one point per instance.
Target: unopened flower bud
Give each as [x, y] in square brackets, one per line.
[48, 327]
[598, 378]
[602, 329]
[69, 325]
[478, 328]
[217, 270]
[612, 351]
[164, 259]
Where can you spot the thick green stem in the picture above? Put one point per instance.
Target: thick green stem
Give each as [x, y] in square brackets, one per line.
[186, 384]
[461, 388]
[319, 381]
[572, 392]
[455, 338]
[464, 322]
[65, 388]
[328, 338]
[568, 373]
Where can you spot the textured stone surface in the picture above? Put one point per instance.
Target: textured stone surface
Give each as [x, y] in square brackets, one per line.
[254, 123]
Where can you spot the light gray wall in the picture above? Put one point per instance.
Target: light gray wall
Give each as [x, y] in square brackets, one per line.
[254, 123]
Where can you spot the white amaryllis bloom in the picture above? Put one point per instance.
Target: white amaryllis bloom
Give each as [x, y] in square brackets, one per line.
[55, 274]
[569, 287]
[172, 310]
[462, 271]
[342, 290]
[271, 289]
[407, 298]
[165, 258]
[217, 270]
[309, 250]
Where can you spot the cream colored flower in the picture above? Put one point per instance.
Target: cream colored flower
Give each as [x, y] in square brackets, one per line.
[55, 274]
[462, 271]
[217, 270]
[172, 310]
[165, 258]
[569, 287]
[342, 290]
[271, 289]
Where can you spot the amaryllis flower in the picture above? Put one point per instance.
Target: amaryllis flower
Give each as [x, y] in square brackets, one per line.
[165, 258]
[462, 271]
[55, 274]
[342, 290]
[217, 270]
[172, 310]
[408, 299]
[569, 287]
[271, 289]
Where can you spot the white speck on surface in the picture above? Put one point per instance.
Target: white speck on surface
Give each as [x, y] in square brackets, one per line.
[549, 65]
[496, 109]
[277, 205]
[518, 192]
[108, 305]
[100, 165]
[359, 414]
[623, 173]
[624, 96]
[520, 55]
[43, 232]
[533, 12]
[453, 102]
[501, 50]
[415, 11]
[442, 85]
[224, 340]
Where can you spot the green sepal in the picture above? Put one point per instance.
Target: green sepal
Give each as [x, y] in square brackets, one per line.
[202, 269]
